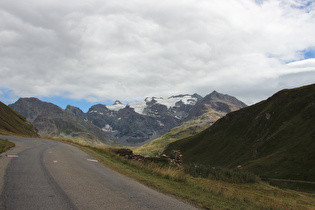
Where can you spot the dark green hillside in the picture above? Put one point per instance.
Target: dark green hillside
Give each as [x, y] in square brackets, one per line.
[274, 138]
[12, 123]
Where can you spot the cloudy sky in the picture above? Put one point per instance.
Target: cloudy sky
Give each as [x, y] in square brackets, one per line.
[83, 52]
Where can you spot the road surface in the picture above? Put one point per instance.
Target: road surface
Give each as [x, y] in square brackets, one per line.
[46, 174]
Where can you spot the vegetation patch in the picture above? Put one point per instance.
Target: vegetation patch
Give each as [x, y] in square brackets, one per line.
[5, 145]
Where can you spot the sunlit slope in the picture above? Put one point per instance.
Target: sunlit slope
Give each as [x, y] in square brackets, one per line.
[12, 123]
[189, 128]
[274, 138]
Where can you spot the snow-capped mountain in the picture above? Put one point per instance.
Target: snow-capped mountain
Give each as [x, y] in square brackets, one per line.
[140, 122]
[142, 106]
[171, 102]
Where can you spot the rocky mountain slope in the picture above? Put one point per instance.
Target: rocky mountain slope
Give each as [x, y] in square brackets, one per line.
[138, 123]
[51, 120]
[12, 123]
[274, 138]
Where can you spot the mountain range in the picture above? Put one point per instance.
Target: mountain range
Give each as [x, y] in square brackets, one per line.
[133, 124]
[274, 138]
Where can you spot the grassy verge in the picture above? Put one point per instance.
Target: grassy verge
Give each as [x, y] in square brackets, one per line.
[203, 192]
[5, 145]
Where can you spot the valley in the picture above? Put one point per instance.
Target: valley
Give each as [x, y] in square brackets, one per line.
[271, 141]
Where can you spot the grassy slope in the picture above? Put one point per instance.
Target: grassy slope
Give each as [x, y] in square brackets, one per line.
[205, 193]
[274, 138]
[12, 123]
[5, 145]
[189, 128]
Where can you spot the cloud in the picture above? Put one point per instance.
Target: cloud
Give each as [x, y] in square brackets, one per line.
[127, 50]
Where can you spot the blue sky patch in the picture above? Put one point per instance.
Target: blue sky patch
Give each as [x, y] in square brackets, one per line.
[309, 53]
[7, 96]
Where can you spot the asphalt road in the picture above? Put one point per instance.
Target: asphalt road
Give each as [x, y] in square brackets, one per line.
[45, 174]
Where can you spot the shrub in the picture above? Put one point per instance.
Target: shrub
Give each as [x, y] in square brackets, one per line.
[123, 152]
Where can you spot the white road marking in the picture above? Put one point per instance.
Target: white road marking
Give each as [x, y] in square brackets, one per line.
[92, 160]
[12, 156]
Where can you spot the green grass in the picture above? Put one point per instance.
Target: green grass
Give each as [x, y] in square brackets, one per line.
[203, 192]
[5, 145]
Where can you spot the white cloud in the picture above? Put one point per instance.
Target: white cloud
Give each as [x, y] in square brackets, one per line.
[127, 50]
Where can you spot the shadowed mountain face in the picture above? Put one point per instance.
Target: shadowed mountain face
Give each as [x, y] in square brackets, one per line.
[134, 124]
[273, 138]
[51, 120]
[12, 123]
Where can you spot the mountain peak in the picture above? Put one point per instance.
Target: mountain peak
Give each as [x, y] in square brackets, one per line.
[75, 111]
[219, 97]
[215, 94]
[28, 100]
[117, 102]
[116, 106]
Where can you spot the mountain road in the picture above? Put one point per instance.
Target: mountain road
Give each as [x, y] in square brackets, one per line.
[45, 174]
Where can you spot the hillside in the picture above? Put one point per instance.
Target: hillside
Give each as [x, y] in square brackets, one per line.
[12, 123]
[274, 138]
[51, 120]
